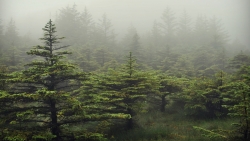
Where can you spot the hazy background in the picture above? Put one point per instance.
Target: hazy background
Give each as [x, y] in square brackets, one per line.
[31, 15]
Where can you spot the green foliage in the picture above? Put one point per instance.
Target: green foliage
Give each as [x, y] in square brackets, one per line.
[167, 86]
[237, 101]
[202, 98]
[3, 77]
[122, 89]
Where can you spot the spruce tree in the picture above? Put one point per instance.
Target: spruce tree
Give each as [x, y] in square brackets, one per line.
[239, 60]
[236, 98]
[127, 88]
[41, 101]
[203, 98]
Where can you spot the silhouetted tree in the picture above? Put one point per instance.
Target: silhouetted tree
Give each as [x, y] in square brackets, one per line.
[168, 26]
[217, 35]
[184, 31]
[68, 23]
[87, 27]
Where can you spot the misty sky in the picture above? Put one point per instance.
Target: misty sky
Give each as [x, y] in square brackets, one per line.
[31, 15]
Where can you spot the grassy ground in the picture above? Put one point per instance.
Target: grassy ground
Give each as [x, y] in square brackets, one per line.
[159, 126]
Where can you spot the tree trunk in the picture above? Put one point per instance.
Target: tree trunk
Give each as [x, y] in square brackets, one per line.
[54, 125]
[163, 103]
[130, 123]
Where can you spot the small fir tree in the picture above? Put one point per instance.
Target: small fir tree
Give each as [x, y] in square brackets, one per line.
[127, 88]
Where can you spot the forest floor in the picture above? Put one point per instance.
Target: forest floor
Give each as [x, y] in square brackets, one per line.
[159, 126]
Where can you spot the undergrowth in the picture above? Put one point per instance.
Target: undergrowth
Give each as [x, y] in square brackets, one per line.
[159, 126]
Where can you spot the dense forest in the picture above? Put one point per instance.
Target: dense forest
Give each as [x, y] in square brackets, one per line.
[184, 80]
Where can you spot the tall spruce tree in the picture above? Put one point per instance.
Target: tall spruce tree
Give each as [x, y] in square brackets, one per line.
[40, 102]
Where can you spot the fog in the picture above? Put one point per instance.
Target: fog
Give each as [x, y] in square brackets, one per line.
[31, 15]
[151, 70]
